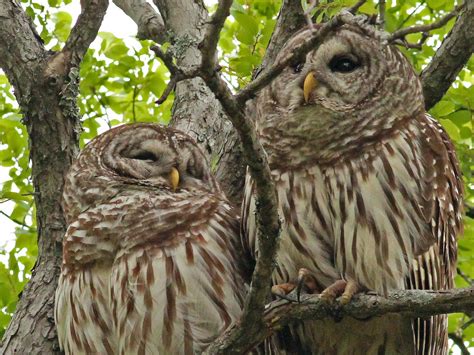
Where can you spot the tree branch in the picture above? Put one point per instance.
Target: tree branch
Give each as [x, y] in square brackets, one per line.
[381, 14]
[450, 58]
[20, 46]
[290, 19]
[85, 30]
[410, 303]
[425, 28]
[353, 9]
[46, 88]
[195, 109]
[317, 36]
[149, 22]
[459, 341]
[209, 45]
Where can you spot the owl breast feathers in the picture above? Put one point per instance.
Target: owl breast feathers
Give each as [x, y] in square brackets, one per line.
[368, 185]
[150, 263]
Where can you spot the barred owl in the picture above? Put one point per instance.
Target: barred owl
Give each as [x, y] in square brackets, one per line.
[368, 185]
[150, 263]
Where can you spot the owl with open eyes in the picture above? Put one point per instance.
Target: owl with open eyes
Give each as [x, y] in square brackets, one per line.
[150, 264]
[369, 190]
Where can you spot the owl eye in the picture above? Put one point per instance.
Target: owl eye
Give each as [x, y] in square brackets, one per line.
[145, 156]
[343, 64]
[298, 67]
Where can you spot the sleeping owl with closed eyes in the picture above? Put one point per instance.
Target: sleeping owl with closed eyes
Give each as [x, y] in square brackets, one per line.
[150, 257]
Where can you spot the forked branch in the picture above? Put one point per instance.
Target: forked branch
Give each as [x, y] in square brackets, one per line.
[400, 34]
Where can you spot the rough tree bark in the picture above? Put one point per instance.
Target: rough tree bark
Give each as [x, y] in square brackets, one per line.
[450, 57]
[46, 86]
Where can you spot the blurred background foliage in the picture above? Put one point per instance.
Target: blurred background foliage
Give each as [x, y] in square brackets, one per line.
[121, 80]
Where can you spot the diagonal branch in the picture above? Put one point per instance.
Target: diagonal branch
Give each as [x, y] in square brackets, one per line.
[253, 325]
[149, 22]
[450, 58]
[290, 19]
[85, 30]
[267, 76]
[209, 45]
[425, 28]
[356, 6]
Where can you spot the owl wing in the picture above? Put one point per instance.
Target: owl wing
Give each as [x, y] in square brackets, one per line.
[435, 269]
[82, 313]
[175, 282]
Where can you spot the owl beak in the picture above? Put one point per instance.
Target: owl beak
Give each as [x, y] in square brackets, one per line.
[174, 178]
[308, 85]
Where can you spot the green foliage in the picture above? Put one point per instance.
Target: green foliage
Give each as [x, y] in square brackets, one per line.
[121, 79]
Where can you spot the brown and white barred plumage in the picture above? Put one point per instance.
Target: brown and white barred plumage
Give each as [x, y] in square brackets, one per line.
[368, 185]
[146, 270]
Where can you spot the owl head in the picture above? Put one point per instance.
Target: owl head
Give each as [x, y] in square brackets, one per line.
[352, 84]
[140, 155]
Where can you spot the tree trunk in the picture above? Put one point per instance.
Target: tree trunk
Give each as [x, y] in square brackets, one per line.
[46, 87]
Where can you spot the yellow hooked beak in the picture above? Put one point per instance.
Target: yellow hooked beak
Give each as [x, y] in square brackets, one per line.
[308, 85]
[174, 178]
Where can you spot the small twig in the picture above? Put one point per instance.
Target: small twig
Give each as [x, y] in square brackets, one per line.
[425, 28]
[356, 6]
[468, 323]
[418, 45]
[135, 93]
[459, 342]
[169, 88]
[411, 14]
[309, 10]
[167, 58]
[208, 46]
[16, 221]
[470, 212]
[382, 14]
[465, 277]
[104, 107]
[176, 73]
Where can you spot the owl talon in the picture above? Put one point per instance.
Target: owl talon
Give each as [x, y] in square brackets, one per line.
[282, 291]
[345, 289]
[306, 278]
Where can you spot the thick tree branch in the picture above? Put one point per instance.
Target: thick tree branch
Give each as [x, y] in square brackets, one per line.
[149, 22]
[20, 46]
[46, 87]
[450, 58]
[195, 109]
[267, 215]
[411, 303]
[209, 45]
[85, 30]
[255, 157]
[290, 19]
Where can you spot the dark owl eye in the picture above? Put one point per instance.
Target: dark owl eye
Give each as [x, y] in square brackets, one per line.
[343, 64]
[145, 156]
[298, 67]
